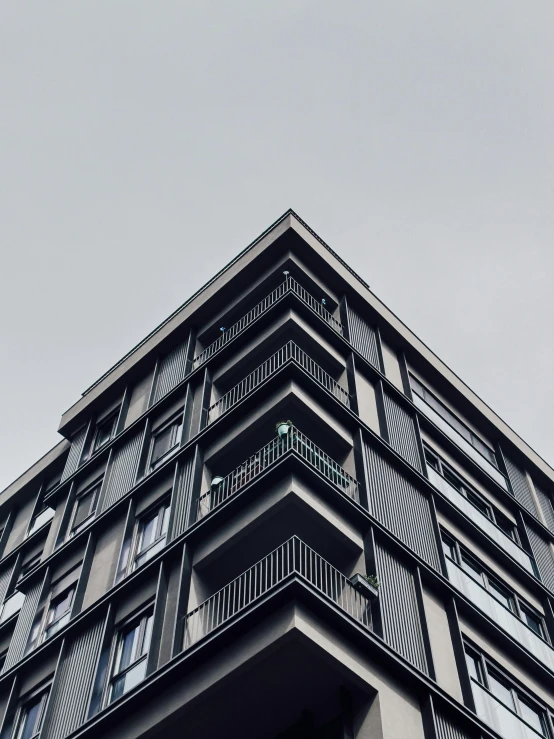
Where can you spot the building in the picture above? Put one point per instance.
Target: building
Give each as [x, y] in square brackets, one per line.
[279, 516]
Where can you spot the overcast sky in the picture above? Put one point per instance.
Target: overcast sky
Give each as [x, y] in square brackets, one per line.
[143, 144]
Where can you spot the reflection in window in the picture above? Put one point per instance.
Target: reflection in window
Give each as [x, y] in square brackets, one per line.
[165, 441]
[31, 716]
[130, 658]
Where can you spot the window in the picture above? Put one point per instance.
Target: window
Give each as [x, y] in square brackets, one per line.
[29, 565]
[59, 612]
[84, 508]
[30, 716]
[500, 592]
[12, 605]
[104, 431]
[130, 657]
[151, 534]
[165, 441]
[40, 518]
[451, 419]
[481, 671]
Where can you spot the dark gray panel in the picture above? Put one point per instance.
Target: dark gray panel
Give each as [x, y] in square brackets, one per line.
[123, 470]
[545, 502]
[22, 628]
[69, 703]
[399, 611]
[363, 338]
[171, 371]
[543, 557]
[520, 486]
[447, 728]
[75, 452]
[400, 506]
[402, 432]
[181, 498]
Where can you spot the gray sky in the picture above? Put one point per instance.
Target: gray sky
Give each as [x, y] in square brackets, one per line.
[143, 144]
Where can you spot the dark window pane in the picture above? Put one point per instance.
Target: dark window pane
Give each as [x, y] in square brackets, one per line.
[449, 549]
[85, 506]
[532, 716]
[472, 569]
[533, 620]
[473, 666]
[162, 444]
[479, 503]
[104, 432]
[501, 691]
[501, 594]
[451, 478]
[506, 525]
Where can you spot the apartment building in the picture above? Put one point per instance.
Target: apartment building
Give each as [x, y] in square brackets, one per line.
[279, 516]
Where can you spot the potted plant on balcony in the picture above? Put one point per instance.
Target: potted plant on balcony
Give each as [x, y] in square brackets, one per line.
[367, 585]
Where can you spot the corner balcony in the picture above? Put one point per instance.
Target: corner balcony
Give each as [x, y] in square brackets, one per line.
[288, 286]
[502, 616]
[289, 353]
[288, 441]
[484, 523]
[291, 559]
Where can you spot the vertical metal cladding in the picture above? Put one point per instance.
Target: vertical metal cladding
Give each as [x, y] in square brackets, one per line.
[363, 338]
[22, 629]
[542, 552]
[5, 577]
[181, 499]
[123, 470]
[402, 432]
[520, 486]
[69, 703]
[399, 611]
[448, 729]
[545, 503]
[400, 506]
[171, 371]
[75, 452]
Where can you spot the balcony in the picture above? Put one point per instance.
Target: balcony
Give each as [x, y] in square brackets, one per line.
[289, 353]
[459, 440]
[484, 523]
[292, 442]
[288, 286]
[494, 713]
[501, 616]
[293, 558]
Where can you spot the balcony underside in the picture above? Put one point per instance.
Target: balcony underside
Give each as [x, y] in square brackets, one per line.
[290, 654]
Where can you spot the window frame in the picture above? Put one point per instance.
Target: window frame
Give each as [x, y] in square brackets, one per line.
[42, 694]
[129, 550]
[112, 418]
[46, 625]
[142, 619]
[176, 421]
[72, 530]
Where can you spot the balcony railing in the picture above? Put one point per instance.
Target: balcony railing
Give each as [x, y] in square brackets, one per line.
[484, 523]
[294, 441]
[500, 718]
[290, 352]
[460, 441]
[289, 285]
[501, 615]
[291, 558]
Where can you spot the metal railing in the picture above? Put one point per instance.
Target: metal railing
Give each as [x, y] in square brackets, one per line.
[289, 285]
[289, 352]
[294, 441]
[291, 558]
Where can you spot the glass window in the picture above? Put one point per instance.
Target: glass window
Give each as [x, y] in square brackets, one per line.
[533, 620]
[479, 503]
[531, 716]
[85, 508]
[473, 666]
[29, 565]
[129, 667]
[452, 479]
[151, 534]
[165, 441]
[472, 569]
[501, 594]
[104, 431]
[449, 548]
[507, 526]
[30, 718]
[432, 460]
[59, 612]
[12, 605]
[41, 518]
[498, 688]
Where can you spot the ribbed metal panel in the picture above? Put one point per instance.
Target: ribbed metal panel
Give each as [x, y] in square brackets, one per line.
[181, 498]
[520, 486]
[363, 338]
[5, 577]
[447, 728]
[402, 432]
[545, 502]
[69, 704]
[400, 506]
[22, 628]
[75, 452]
[543, 557]
[171, 371]
[123, 470]
[399, 611]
